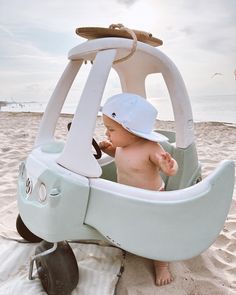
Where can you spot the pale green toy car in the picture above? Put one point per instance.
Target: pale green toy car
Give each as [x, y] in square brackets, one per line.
[64, 193]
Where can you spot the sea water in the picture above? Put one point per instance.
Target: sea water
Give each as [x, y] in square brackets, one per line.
[217, 108]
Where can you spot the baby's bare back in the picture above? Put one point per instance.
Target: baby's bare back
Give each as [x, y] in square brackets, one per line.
[135, 168]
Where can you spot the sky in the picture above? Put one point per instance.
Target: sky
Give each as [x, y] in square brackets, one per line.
[35, 37]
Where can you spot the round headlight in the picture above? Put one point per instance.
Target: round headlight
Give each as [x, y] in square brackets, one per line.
[42, 193]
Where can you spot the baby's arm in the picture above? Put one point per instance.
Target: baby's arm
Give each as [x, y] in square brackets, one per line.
[107, 147]
[164, 160]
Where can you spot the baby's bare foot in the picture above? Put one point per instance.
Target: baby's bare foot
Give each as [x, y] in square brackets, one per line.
[162, 273]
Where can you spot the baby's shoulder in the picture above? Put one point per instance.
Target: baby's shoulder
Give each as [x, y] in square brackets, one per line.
[151, 148]
[153, 145]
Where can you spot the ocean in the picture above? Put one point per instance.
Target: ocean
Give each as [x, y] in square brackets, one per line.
[217, 108]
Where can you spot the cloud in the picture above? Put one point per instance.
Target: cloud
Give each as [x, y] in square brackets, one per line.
[127, 2]
[211, 27]
[36, 36]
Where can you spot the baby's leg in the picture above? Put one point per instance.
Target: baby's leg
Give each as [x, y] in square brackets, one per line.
[162, 273]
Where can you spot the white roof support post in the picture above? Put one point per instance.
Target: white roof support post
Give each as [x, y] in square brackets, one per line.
[77, 155]
[53, 110]
[181, 106]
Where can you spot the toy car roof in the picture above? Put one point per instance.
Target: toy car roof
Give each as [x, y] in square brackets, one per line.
[98, 32]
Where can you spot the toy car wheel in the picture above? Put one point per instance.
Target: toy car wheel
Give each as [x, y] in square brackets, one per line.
[58, 271]
[24, 232]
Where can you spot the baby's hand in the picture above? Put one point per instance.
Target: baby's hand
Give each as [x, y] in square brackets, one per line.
[168, 164]
[107, 147]
[167, 159]
[105, 144]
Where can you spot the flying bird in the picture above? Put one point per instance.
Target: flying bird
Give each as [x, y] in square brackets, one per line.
[216, 74]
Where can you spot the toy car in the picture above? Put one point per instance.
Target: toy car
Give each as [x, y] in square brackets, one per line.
[64, 193]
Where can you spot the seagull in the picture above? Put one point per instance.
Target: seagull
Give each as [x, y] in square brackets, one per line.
[215, 74]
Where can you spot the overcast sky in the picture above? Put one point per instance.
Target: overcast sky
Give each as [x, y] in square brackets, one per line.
[35, 37]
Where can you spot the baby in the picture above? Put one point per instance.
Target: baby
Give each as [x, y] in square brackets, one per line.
[129, 120]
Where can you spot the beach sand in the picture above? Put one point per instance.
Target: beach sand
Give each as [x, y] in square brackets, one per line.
[213, 272]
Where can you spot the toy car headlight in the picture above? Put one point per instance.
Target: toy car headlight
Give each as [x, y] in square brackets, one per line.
[42, 193]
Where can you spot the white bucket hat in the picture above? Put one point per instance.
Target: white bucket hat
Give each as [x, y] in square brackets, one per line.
[135, 114]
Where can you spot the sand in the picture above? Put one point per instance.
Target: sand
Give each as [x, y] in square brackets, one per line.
[213, 272]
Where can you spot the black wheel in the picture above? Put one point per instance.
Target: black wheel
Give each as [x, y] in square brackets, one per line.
[24, 232]
[58, 271]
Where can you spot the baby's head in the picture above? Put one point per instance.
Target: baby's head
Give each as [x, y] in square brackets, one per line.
[134, 113]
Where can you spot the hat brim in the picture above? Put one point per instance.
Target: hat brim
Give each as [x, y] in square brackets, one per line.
[153, 136]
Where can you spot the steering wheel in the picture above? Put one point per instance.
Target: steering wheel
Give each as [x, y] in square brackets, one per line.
[94, 144]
